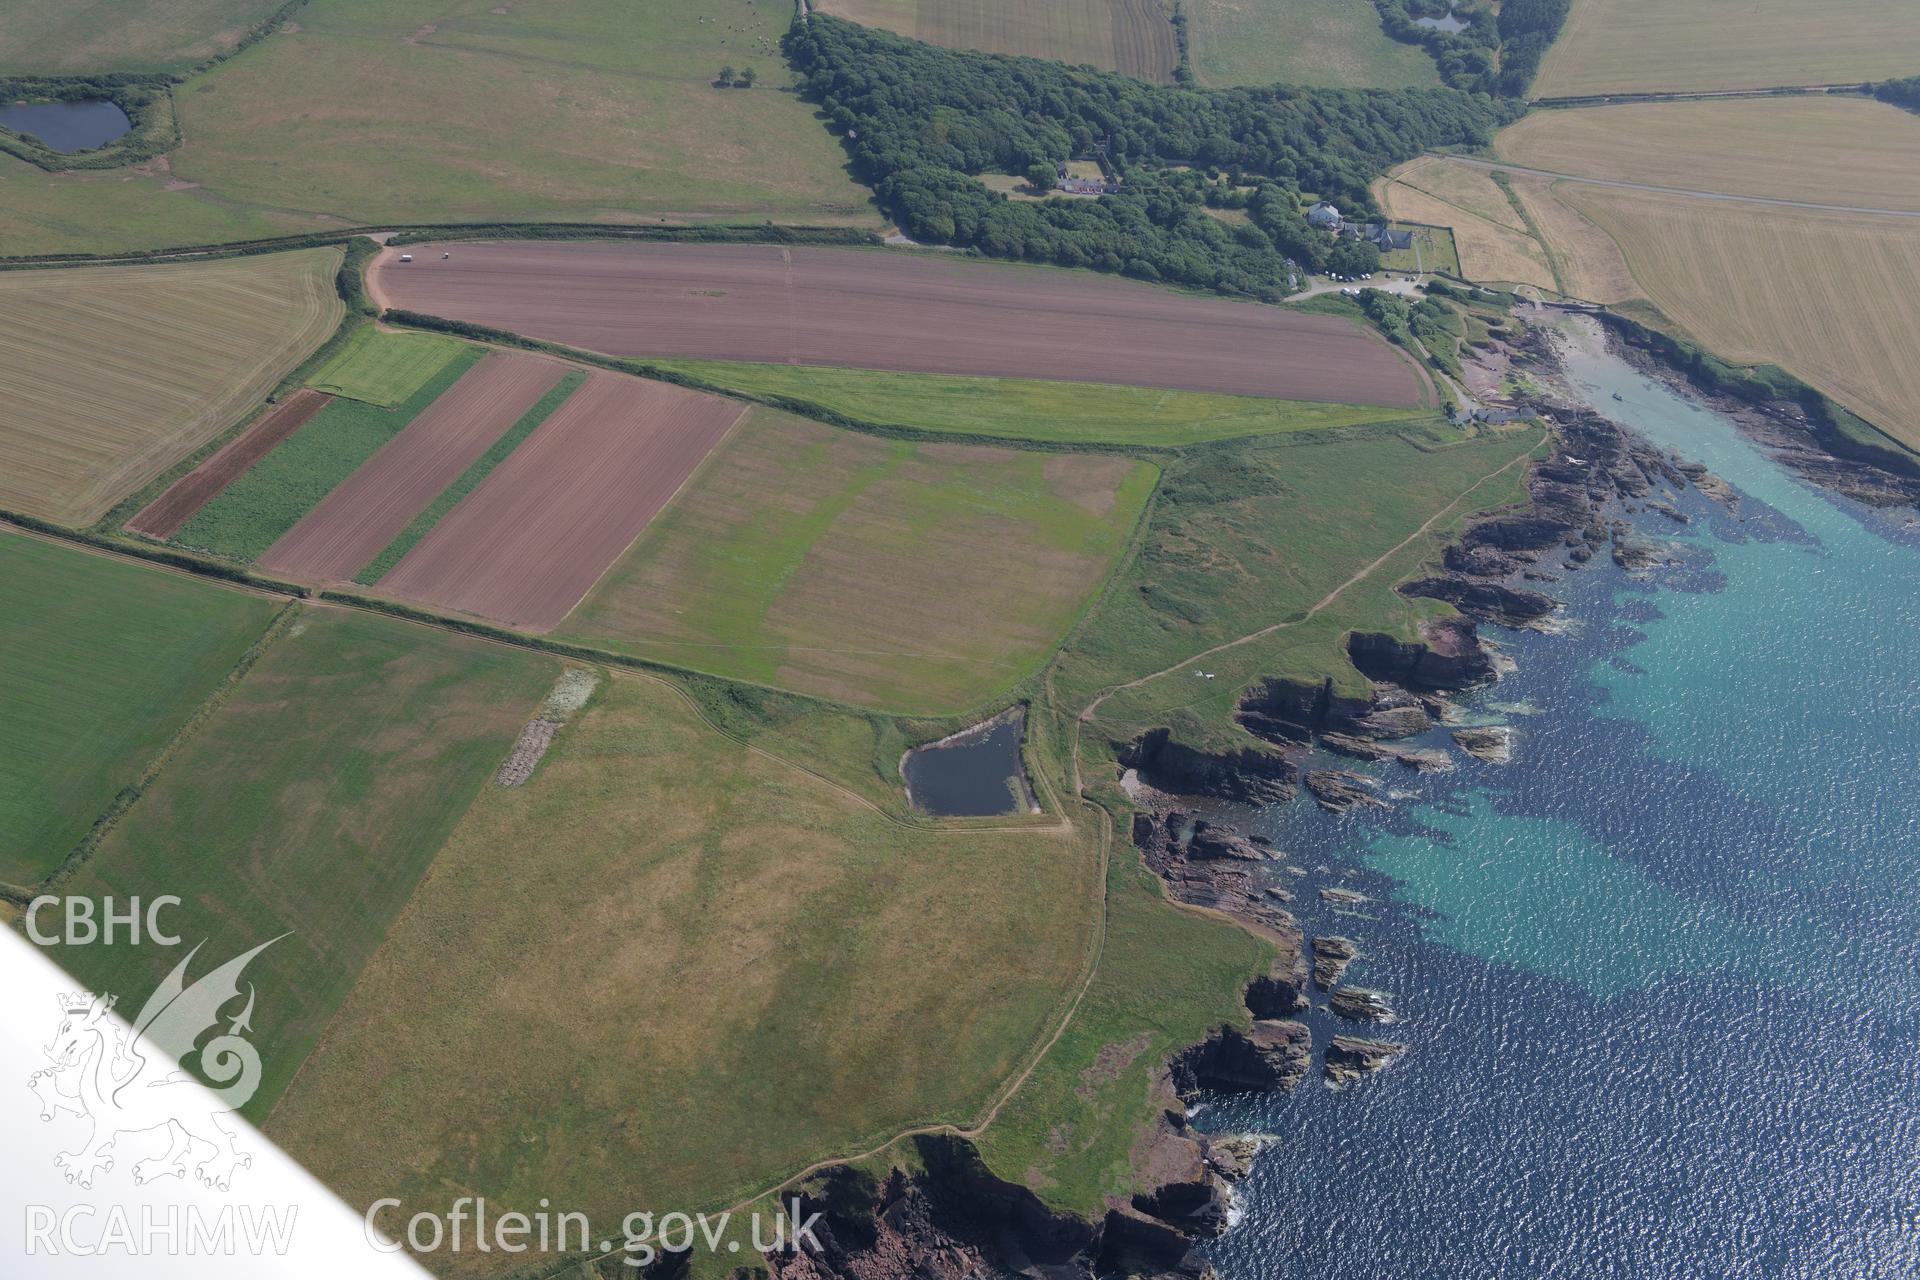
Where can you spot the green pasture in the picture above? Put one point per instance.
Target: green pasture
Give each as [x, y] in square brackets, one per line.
[86, 37]
[310, 804]
[919, 577]
[101, 663]
[1244, 537]
[1336, 43]
[383, 366]
[614, 982]
[1031, 408]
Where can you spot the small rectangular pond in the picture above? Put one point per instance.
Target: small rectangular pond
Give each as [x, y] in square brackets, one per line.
[67, 126]
[976, 773]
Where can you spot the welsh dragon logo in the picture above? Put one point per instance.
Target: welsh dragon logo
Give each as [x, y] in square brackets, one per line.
[126, 1081]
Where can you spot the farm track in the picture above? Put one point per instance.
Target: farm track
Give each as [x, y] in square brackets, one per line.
[163, 517]
[529, 542]
[895, 311]
[355, 522]
[1578, 100]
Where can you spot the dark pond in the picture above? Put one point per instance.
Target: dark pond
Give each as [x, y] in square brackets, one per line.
[1452, 22]
[970, 775]
[67, 126]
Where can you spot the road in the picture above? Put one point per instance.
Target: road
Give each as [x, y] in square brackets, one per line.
[1680, 191]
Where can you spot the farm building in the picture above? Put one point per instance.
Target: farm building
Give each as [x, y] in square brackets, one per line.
[1088, 187]
[1386, 237]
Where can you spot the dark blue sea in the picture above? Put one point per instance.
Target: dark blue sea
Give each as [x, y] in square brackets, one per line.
[1659, 974]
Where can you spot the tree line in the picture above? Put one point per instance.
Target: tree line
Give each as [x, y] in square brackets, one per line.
[1901, 93]
[921, 121]
[1491, 54]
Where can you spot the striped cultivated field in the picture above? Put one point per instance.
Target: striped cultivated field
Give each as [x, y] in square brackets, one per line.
[1130, 36]
[1820, 149]
[108, 375]
[911, 313]
[1639, 46]
[256, 509]
[351, 525]
[1830, 297]
[525, 545]
[163, 517]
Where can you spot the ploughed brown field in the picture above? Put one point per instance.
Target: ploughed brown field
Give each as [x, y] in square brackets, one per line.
[906, 312]
[354, 523]
[163, 517]
[525, 546]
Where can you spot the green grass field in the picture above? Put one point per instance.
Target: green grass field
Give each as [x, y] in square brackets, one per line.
[311, 801]
[101, 662]
[921, 578]
[1247, 536]
[1166, 978]
[112, 210]
[1311, 42]
[598, 110]
[1031, 409]
[670, 970]
[365, 111]
[384, 367]
[467, 481]
[1130, 36]
[82, 37]
[1242, 538]
[251, 513]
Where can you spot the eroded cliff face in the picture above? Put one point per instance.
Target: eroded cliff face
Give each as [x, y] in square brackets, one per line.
[1249, 775]
[1799, 425]
[1446, 658]
[1212, 866]
[955, 1220]
[952, 1220]
[1273, 1054]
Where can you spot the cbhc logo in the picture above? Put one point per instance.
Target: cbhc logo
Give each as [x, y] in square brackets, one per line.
[86, 925]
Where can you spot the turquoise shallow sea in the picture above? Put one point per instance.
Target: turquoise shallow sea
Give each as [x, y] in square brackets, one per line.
[1659, 974]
